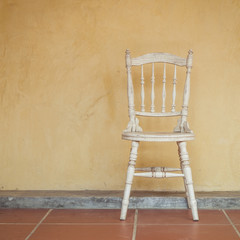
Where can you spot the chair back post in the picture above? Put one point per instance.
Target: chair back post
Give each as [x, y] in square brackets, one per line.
[133, 124]
[131, 111]
[183, 123]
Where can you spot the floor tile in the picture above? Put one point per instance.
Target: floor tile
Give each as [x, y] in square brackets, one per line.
[22, 215]
[234, 215]
[176, 216]
[15, 231]
[86, 232]
[186, 232]
[88, 216]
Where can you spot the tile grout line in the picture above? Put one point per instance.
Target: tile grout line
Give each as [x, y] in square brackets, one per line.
[88, 224]
[182, 224]
[36, 227]
[230, 221]
[135, 225]
[16, 223]
[128, 224]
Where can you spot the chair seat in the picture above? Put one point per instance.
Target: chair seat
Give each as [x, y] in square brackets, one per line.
[157, 136]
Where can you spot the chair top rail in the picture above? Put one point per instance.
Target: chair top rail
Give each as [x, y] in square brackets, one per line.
[159, 57]
[158, 114]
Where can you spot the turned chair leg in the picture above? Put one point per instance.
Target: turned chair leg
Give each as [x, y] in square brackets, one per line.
[184, 180]
[184, 158]
[130, 173]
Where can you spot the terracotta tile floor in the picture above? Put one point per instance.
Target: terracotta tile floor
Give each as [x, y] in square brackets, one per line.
[44, 224]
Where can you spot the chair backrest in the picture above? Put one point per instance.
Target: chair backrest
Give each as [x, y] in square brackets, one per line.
[164, 58]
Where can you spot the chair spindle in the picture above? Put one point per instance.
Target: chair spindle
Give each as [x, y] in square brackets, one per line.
[174, 89]
[152, 93]
[142, 90]
[164, 89]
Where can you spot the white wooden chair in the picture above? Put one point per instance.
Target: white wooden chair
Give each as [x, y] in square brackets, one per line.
[181, 133]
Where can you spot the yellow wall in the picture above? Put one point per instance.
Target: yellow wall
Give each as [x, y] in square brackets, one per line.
[63, 102]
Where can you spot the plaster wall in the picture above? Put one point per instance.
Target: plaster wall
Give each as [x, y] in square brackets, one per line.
[63, 99]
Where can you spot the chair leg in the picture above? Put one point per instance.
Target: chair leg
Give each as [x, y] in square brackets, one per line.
[188, 178]
[130, 173]
[184, 180]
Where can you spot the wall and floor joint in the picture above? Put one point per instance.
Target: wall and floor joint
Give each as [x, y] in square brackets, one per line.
[113, 199]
